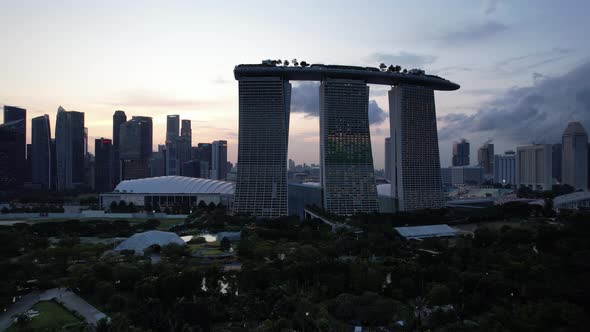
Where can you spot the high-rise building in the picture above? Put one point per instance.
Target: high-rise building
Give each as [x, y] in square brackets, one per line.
[185, 142]
[10, 148]
[69, 143]
[505, 168]
[103, 165]
[291, 165]
[135, 147]
[172, 127]
[347, 174]
[219, 160]
[28, 168]
[485, 158]
[534, 166]
[15, 120]
[461, 153]
[388, 159]
[556, 161]
[41, 151]
[575, 156]
[118, 118]
[158, 162]
[264, 108]
[415, 156]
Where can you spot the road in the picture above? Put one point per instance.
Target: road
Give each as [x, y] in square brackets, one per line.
[67, 298]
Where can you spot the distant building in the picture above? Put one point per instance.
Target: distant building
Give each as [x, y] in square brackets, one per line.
[103, 153]
[41, 152]
[485, 158]
[575, 156]
[416, 173]
[158, 162]
[195, 168]
[388, 160]
[462, 175]
[136, 148]
[184, 143]
[172, 127]
[69, 142]
[291, 165]
[219, 160]
[15, 130]
[534, 166]
[505, 168]
[203, 152]
[118, 118]
[556, 161]
[461, 153]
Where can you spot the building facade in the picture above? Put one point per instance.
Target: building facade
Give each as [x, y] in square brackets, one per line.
[388, 159]
[461, 153]
[534, 166]
[575, 156]
[135, 148]
[69, 144]
[346, 159]
[219, 160]
[556, 153]
[118, 118]
[485, 158]
[41, 151]
[15, 121]
[264, 108]
[416, 173]
[103, 155]
[505, 168]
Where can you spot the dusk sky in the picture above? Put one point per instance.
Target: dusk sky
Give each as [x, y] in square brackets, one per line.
[523, 66]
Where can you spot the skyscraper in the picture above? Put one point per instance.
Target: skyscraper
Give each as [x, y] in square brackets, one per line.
[41, 151]
[556, 161]
[184, 143]
[103, 163]
[264, 107]
[219, 160]
[172, 127]
[575, 156]
[505, 168]
[173, 165]
[118, 118]
[347, 174]
[388, 159]
[69, 143]
[15, 120]
[485, 158]
[135, 147]
[10, 148]
[534, 166]
[416, 173]
[461, 153]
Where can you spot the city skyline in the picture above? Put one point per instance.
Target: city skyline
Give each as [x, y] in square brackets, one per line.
[145, 77]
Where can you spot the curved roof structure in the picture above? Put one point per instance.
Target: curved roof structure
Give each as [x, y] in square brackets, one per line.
[141, 241]
[574, 128]
[175, 185]
[317, 72]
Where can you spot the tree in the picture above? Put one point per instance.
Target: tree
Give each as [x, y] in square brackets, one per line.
[383, 66]
[439, 295]
[202, 205]
[114, 207]
[303, 64]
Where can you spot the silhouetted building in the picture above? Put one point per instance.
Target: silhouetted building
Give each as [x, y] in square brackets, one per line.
[388, 159]
[485, 158]
[41, 151]
[195, 168]
[10, 147]
[15, 118]
[556, 161]
[28, 163]
[135, 147]
[172, 127]
[69, 143]
[347, 173]
[158, 162]
[575, 156]
[534, 166]
[462, 175]
[118, 118]
[505, 168]
[184, 144]
[461, 153]
[417, 182]
[103, 152]
[219, 160]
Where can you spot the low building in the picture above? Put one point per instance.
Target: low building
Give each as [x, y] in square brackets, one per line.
[169, 191]
[423, 232]
[573, 201]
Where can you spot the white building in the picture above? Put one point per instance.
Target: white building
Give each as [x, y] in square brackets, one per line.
[505, 168]
[575, 156]
[534, 166]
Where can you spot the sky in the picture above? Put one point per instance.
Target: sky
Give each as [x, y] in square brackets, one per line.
[523, 66]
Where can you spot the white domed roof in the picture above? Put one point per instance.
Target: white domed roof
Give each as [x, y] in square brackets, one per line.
[140, 241]
[175, 185]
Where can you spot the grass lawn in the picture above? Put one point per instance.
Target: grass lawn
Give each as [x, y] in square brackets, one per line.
[52, 317]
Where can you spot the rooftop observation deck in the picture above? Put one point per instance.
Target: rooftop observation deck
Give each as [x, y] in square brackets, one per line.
[318, 72]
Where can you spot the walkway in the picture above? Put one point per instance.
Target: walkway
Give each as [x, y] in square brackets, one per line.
[67, 298]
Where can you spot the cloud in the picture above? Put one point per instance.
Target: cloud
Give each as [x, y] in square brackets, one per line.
[533, 60]
[490, 6]
[146, 99]
[474, 32]
[305, 98]
[404, 59]
[521, 115]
